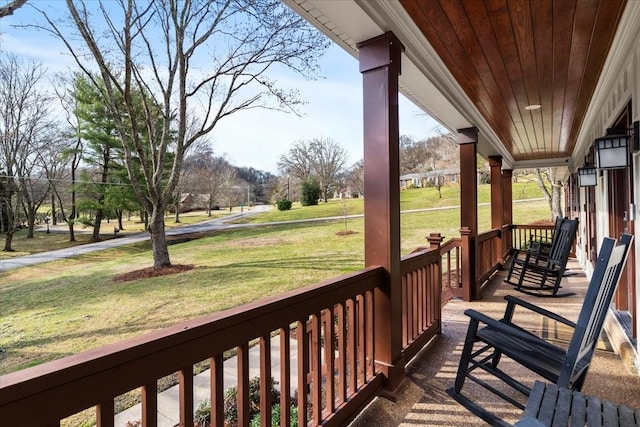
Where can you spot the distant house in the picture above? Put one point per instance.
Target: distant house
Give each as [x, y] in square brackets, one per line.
[193, 202]
[428, 179]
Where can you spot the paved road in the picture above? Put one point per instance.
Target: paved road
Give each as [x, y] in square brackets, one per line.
[205, 226]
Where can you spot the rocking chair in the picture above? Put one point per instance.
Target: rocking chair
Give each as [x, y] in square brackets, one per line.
[565, 367]
[540, 272]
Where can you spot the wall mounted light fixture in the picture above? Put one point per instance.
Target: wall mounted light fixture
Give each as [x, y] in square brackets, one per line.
[587, 176]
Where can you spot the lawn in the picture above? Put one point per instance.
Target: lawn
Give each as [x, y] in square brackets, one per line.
[64, 307]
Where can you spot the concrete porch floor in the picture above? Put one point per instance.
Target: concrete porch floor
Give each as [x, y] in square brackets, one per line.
[422, 400]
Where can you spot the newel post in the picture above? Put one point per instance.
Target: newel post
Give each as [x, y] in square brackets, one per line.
[380, 68]
[434, 240]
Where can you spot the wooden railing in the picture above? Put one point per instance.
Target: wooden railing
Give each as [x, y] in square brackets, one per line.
[421, 299]
[488, 255]
[340, 308]
[523, 234]
[323, 336]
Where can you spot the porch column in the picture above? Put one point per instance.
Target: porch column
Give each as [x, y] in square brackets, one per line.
[380, 68]
[507, 210]
[497, 203]
[468, 140]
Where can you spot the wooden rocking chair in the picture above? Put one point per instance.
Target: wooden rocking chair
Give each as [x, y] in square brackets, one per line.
[540, 272]
[565, 367]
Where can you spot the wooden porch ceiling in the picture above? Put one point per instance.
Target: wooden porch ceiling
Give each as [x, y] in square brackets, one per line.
[510, 54]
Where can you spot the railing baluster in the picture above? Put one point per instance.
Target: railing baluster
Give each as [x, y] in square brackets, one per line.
[104, 414]
[303, 369]
[217, 390]
[185, 380]
[342, 354]
[362, 362]
[285, 377]
[265, 380]
[329, 357]
[405, 281]
[352, 334]
[316, 368]
[150, 405]
[243, 385]
[369, 333]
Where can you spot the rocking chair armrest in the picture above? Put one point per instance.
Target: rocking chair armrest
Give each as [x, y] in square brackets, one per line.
[511, 301]
[502, 327]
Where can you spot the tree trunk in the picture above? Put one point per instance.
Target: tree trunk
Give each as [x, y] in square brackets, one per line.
[556, 202]
[96, 226]
[72, 236]
[31, 223]
[158, 241]
[8, 240]
[119, 216]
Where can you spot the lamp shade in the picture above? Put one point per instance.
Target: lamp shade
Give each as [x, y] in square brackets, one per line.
[587, 176]
[612, 152]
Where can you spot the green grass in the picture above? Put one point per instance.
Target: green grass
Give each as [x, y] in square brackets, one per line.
[419, 198]
[64, 307]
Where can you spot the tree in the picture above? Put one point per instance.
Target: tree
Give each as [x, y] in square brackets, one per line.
[355, 179]
[208, 175]
[297, 162]
[102, 149]
[551, 186]
[24, 122]
[328, 160]
[310, 192]
[320, 158]
[70, 155]
[153, 48]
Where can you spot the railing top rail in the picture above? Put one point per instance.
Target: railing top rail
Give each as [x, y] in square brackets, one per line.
[487, 235]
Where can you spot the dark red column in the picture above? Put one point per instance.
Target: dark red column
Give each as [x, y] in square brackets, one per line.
[507, 210]
[380, 68]
[497, 201]
[468, 140]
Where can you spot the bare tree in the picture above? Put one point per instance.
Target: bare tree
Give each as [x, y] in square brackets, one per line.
[551, 186]
[319, 158]
[297, 162]
[208, 175]
[327, 159]
[24, 119]
[71, 155]
[199, 61]
[11, 7]
[355, 178]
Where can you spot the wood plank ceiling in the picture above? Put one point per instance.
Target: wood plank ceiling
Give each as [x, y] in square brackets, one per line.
[510, 54]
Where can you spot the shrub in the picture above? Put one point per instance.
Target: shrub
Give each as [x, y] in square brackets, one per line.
[202, 415]
[275, 417]
[284, 205]
[310, 192]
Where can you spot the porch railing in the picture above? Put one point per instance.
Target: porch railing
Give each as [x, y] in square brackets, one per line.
[326, 355]
[323, 336]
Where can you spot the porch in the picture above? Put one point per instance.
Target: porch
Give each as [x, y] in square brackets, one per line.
[421, 400]
[338, 327]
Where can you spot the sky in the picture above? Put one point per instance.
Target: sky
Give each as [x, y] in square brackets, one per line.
[256, 138]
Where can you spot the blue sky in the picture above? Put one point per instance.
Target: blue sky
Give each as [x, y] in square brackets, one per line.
[256, 138]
